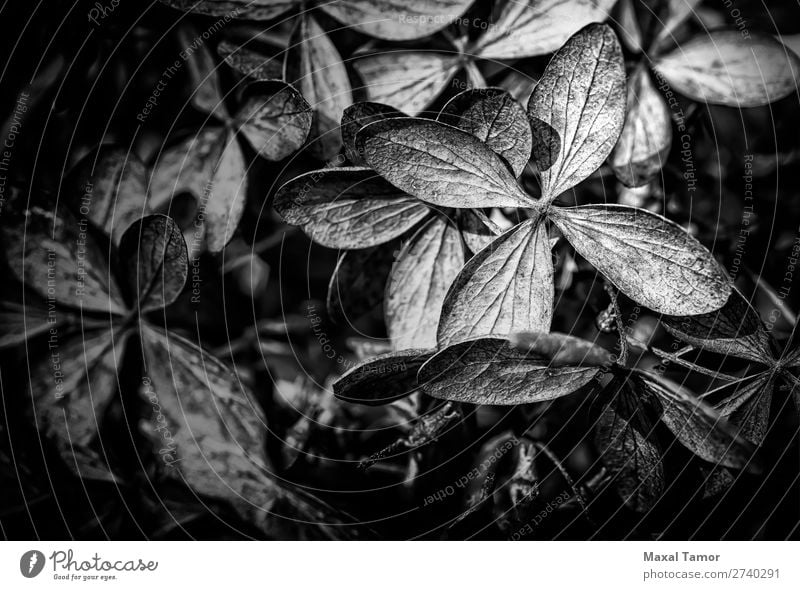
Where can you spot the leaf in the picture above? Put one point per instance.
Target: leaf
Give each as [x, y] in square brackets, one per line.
[734, 330]
[628, 26]
[752, 416]
[348, 208]
[314, 66]
[110, 189]
[357, 116]
[420, 277]
[633, 458]
[477, 229]
[246, 9]
[577, 109]
[21, 322]
[406, 80]
[678, 11]
[275, 119]
[723, 68]
[71, 389]
[156, 261]
[562, 350]
[506, 287]
[698, 427]
[55, 255]
[382, 379]
[250, 62]
[647, 257]
[492, 371]
[527, 28]
[224, 199]
[439, 164]
[387, 19]
[204, 426]
[358, 283]
[644, 145]
[204, 84]
[493, 116]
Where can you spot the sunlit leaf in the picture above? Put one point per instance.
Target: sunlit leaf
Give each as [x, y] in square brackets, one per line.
[348, 207]
[439, 164]
[477, 229]
[577, 109]
[647, 257]
[382, 379]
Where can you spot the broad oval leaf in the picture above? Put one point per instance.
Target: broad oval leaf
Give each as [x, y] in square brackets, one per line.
[439, 164]
[359, 115]
[348, 208]
[387, 19]
[649, 258]
[734, 330]
[644, 145]
[249, 9]
[577, 109]
[54, 254]
[314, 66]
[205, 426]
[699, 427]
[562, 350]
[250, 62]
[723, 68]
[406, 80]
[421, 275]
[275, 119]
[477, 229]
[382, 379]
[492, 371]
[154, 255]
[526, 28]
[506, 287]
[493, 116]
[110, 189]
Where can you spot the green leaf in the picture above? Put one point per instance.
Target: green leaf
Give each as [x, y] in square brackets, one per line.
[406, 80]
[348, 207]
[649, 258]
[359, 115]
[506, 287]
[275, 119]
[423, 272]
[493, 371]
[723, 68]
[493, 116]
[526, 28]
[204, 426]
[156, 261]
[577, 109]
[644, 145]
[382, 379]
[439, 164]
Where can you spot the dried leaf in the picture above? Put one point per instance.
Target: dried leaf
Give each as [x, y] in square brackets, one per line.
[506, 287]
[493, 116]
[723, 68]
[204, 425]
[275, 118]
[156, 260]
[528, 28]
[477, 229]
[734, 330]
[313, 65]
[110, 189]
[644, 145]
[250, 62]
[387, 19]
[647, 257]
[492, 371]
[423, 272]
[359, 115]
[439, 164]
[55, 255]
[247, 9]
[406, 80]
[577, 109]
[699, 427]
[348, 208]
[382, 379]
